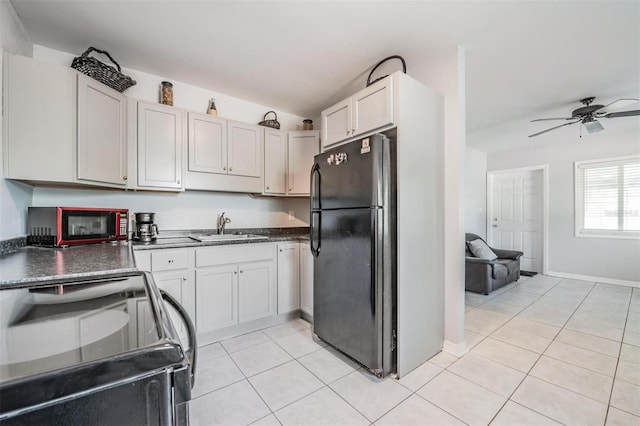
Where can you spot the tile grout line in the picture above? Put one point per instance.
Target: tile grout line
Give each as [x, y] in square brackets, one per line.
[613, 383]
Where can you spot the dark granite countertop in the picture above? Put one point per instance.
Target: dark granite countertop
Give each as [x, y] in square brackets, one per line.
[44, 263]
[177, 239]
[31, 263]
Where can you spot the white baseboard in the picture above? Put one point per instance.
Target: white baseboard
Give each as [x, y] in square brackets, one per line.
[603, 280]
[457, 349]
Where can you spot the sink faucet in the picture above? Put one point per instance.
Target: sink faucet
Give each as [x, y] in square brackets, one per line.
[222, 221]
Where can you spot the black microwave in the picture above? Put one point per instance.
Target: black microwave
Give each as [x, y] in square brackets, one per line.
[65, 226]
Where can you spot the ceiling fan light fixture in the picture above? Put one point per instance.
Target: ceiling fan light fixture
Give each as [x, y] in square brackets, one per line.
[593, 126]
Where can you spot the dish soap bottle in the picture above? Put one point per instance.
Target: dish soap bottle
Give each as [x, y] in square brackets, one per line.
[211, 110]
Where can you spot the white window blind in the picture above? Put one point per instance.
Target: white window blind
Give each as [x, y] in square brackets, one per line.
[608, 198]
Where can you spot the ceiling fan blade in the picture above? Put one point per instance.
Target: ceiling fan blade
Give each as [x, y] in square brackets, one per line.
[623, 114]
[553, 128]
[620, 103]
[547, 119]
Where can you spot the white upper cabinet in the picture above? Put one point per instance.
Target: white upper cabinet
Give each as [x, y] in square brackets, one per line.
[159, 146]
[62, 126]
[288, 161]
[224, 155]
[369, 109]
[336, 123]
[102, 144]
[275, 162]
[245, 149]
[372, 107]
[207, 144]
[302, 146]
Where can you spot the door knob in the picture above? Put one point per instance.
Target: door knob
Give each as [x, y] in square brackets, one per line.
[494, 225]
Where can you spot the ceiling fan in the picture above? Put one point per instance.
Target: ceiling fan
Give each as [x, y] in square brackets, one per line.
[588, 114]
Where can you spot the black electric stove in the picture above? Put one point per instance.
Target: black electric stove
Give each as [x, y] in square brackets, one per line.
[99, 351]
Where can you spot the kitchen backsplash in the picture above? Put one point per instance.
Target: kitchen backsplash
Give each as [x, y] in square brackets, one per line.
[186, 210]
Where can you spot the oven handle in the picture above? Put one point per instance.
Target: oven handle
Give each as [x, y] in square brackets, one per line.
[193, 346]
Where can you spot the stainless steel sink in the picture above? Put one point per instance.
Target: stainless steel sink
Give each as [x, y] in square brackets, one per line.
[226, 237]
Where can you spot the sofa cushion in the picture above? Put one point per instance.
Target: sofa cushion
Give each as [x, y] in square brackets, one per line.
[480, 249]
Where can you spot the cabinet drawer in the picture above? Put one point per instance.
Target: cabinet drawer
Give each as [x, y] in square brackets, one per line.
[167, 260]
[238, 253]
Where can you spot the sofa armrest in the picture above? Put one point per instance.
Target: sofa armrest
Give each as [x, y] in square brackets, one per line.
[479, 260]
[507, 254]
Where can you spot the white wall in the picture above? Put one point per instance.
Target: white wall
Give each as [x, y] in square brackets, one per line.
[14, 196]
[612, 259]
[475, 195]
[445, 74]
[185, 96]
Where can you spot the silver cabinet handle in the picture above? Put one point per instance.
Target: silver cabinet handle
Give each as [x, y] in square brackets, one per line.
[170, 261]
[235, 272]
[267, 187]
[224, 168]
[184, 278]
[124, 178]
[241, 271]
[230, 169]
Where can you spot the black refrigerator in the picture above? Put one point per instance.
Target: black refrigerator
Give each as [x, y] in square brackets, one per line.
[353, 241]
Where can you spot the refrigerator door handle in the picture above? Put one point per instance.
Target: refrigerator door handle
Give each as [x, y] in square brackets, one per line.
[374, 257]
[315, 233]
[315, 186]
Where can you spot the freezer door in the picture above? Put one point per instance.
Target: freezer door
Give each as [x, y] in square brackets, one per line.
[351, 175]
[347, 300]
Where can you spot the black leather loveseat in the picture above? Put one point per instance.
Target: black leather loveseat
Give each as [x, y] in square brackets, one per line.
[483, 275]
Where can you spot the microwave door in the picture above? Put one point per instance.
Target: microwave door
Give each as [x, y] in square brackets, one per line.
[87, 225]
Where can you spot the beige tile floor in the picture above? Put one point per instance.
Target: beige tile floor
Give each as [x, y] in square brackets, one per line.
[543, 351]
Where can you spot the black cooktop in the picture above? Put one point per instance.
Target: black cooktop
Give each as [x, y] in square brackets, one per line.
[52, 326]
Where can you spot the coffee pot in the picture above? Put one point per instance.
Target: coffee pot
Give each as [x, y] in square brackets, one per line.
[145, 230]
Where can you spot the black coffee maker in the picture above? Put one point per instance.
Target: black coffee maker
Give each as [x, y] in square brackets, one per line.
[145, 230]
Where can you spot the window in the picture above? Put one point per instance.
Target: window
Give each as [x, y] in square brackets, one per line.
[608, 198]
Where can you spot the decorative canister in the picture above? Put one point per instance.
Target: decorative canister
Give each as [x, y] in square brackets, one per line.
[166, 93]
[307, 124]
[211, 109]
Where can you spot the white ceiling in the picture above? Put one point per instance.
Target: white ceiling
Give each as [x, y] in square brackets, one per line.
[524, 60]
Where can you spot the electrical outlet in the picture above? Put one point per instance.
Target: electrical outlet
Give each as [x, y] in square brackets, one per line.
[292, 215]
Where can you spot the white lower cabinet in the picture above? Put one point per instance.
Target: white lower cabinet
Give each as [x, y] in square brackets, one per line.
[306, 279]
[256, 288]
[217, 301]
[174, 273]
[288, 277]
[222, 287]
[234, 285]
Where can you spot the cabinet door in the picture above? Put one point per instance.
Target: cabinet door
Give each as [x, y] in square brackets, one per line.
[216, 297]
[180, 285]
[256, 290]
[275, 154]
[302, 146]
[159, 146]
[373, 107]
[207, 144]
[336, 123]
[306, 279]
[102, 145]
[245, 149]
[288, 277]
[40, 120]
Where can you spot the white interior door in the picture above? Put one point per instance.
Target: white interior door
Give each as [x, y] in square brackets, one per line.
[515, 216]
